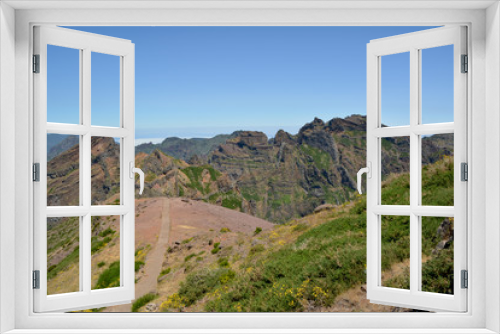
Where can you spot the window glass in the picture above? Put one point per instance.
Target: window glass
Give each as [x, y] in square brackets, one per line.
[63, 85]
[105, 90]
[438, 170]
[63, 170]
[395, 89]
[437, 84]
[105, 170]
[395, 170]
[395, 232]
[437, 254]
[63, 255]
[105, 252]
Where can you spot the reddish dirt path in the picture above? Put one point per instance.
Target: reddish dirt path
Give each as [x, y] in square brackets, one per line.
[163, 221]
[155, 258]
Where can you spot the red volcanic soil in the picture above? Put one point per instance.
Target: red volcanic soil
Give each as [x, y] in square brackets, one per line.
[189, 218]
[162, 221]
[148, 214]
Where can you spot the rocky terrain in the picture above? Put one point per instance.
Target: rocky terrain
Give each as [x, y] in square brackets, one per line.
[207, 237]
[276, 179]
[290, 175]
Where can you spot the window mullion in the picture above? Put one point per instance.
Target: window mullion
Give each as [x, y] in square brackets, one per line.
[86, 233]
[414, 171]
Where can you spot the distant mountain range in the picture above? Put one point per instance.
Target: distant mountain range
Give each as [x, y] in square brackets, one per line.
[56, 144]
[185, 149]
[276, 179]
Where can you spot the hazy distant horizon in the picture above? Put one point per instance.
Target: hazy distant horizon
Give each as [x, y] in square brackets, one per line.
[156, 135]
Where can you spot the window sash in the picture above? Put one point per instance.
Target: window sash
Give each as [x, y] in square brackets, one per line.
[86, 297]
[414, 297]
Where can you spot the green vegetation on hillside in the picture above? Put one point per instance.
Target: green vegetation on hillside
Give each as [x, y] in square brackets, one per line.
[322, 261]
[141, 301]
[299, 266]
[110, 277]
[71, 258]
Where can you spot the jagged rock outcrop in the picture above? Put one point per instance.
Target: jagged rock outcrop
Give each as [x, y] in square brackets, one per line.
[290, 175]
[314, 135]
[276, 179]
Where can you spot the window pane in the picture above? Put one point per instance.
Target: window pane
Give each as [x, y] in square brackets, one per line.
[63, 170]
[437, 170]
[105, 252]
[437, 84]
[395, 233]
[63, 255]
[395, 89]
[395, 167]
[105, 171]
[437, 254]
[63, 85]
[105, 90]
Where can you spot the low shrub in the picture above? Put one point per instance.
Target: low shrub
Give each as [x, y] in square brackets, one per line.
[257, 248]
[186, 241]
[165, 271]
[138, 265]
[223, 262]
[140, 302]
[189, 257]
[109, 277]
[299, 227]
[200, 283]
[106, 232]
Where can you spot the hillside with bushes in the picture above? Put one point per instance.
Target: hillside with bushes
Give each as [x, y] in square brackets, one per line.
[257, 224]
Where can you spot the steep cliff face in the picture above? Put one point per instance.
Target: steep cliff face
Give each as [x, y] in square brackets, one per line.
[167, 176]
[275, 179]
[289, 175]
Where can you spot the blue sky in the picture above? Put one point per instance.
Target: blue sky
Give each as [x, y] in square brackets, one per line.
[201, 81]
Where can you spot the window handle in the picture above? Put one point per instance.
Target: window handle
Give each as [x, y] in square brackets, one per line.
[134, 170]
[368, 171]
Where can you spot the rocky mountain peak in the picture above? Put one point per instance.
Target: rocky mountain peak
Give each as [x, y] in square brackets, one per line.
[103, 145]
[350, 123]
[316, 123]
[315, 134]
[283, 137]
[251, 139]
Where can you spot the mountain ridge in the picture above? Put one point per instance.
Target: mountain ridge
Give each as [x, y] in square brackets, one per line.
[276, 179]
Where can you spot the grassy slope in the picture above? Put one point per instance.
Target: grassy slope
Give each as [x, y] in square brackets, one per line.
[302, 265]
[307, 263]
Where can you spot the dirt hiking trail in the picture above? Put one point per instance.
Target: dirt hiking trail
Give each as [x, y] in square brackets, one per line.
[148, 282]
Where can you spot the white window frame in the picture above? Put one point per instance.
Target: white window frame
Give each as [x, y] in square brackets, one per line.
[414, 43]
[482, 19]
[86, 44]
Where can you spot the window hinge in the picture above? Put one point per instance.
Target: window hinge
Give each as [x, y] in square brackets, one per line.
[465, 64]
[465, 279]
[36, 172]
[36, 279]
[464, 171]
[36, 63]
